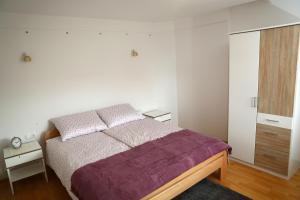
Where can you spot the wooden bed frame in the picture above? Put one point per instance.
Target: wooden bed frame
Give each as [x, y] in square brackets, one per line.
[185, 180]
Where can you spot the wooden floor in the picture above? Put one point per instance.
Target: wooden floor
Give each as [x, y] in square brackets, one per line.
[35, 188]
[245, 180]
[259, 185]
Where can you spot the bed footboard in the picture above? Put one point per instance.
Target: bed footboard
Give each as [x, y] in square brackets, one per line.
[191, 177]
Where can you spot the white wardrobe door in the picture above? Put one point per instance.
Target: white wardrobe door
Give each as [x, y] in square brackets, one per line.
[243, 89]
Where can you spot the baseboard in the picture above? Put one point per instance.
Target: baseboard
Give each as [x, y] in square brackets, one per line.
[294, 167]
[297, 164]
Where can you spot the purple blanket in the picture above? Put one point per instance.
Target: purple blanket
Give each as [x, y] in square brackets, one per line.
[137, 172]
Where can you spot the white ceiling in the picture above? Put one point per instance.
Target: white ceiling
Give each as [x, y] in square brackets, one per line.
[137, 10]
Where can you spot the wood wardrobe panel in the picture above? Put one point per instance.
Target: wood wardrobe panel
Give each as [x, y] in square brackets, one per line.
[274, 138]
[270, 159]
[272, 148]
[277, 73]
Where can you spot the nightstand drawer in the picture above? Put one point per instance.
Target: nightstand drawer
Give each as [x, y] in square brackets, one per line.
[23, 158]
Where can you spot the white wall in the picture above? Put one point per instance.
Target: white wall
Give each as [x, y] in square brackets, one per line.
[202, 74]
[202, 62]
[80, 71]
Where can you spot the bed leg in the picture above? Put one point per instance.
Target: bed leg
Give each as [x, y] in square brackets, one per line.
[224, 166]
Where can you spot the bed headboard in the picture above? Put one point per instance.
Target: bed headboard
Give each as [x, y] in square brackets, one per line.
[51, 134]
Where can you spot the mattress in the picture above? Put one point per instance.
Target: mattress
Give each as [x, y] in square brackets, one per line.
[66, 157]
[138, 132]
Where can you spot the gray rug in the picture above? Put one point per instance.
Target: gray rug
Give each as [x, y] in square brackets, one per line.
[207, 190]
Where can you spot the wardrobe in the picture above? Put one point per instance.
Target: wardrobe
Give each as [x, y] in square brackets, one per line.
[264, 99]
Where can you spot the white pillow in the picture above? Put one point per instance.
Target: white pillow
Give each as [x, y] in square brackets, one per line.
[119, 114]
[70, 126]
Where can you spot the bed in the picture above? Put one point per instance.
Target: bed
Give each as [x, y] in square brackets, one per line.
[118, 140]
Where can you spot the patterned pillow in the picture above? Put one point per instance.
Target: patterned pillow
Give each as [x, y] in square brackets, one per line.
[119, 114]
[70, 126]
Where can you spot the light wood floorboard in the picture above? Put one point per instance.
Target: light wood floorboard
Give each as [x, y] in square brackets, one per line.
[260, 185]
[35, 188]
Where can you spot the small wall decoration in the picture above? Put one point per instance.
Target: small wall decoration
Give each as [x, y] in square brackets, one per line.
[26, 58]
[134, 53]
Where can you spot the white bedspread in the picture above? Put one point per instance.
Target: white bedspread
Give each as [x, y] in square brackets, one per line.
[138, 132]
[65, 157]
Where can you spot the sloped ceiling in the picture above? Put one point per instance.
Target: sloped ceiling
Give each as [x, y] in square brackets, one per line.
[290, 6]
[137, 10]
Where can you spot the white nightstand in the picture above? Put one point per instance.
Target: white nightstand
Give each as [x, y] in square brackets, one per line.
[159, 115]
[24, 162]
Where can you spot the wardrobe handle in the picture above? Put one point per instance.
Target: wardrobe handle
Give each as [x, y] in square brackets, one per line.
[254, 102]
[272, 120]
